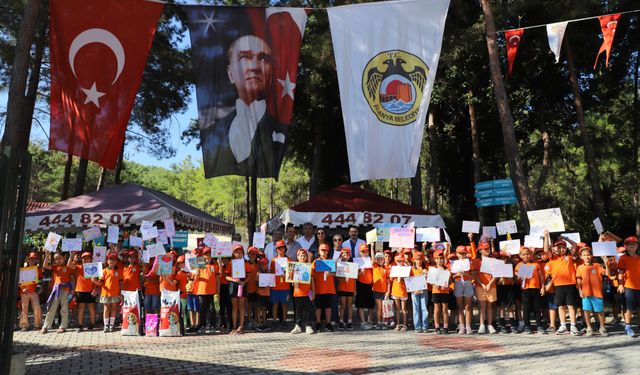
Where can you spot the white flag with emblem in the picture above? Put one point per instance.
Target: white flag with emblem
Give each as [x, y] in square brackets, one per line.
[386, 56]
[555, 34]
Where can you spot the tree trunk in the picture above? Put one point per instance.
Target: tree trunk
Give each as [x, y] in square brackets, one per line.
[416, 187]
[119, 166]
[17, 86]
[103, 177]
[475, 147]
[34, 78]
[271, 203]
[81, 177]
[254, 209]
[636, 141]
[516, 171]
[317, 183]
[432, 177]
[546, 148]
[66, 181]
[589, 155]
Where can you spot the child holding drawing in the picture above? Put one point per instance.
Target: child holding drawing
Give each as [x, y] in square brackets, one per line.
[206, 287]
[532, 284]
[302, 300]
[463, 291]
[252, 287]
[279, 295]
[84, 289]
[440, 298]
[263, 297]
[485, 289]
[419, 297]
[29, 296]
[323, 289]
[111, 283]
[346, 290]
[61, 280]
[364, 291]
[237, 271]
[400, 296]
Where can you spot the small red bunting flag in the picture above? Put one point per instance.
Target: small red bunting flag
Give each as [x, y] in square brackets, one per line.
[513, 38]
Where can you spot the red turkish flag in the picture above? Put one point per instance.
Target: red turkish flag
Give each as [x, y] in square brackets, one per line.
[98, 52]
[608, 25]
[285, 28]
[513, 38]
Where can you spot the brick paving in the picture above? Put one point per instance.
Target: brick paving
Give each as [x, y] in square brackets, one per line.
[357, 352]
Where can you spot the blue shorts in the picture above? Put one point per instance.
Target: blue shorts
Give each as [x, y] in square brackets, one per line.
[632, 299]
[279, 296]
[151, 303]
[551, 301]
[193, 303]
[594, 304]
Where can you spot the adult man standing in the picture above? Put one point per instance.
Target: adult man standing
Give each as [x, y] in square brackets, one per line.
[292, 244]
[247, 140]
[354, 242]
[270, 249]
[307, 239]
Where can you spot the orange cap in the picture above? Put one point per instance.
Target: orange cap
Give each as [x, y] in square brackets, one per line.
[484, 246]
[264, 261]
[346, 250]
[363, 246]
[461, 249]
[85, 254]
[399, 258]
[560, 243]
[112, 256]
[631, 239]
[253, 250]
[280, 243]
[34, 255]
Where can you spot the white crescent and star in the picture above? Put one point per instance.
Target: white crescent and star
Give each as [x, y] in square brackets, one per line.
[514, 39]
[612, 25]
[101, 36]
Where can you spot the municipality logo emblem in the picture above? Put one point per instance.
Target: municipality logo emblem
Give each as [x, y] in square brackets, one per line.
[393, 83]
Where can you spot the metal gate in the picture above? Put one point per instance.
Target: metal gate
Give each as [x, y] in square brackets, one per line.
[14, 183]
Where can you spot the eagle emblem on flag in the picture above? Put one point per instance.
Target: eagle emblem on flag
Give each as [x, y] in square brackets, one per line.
[393, 83]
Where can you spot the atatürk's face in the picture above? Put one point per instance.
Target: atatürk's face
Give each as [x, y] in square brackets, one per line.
[250, 68]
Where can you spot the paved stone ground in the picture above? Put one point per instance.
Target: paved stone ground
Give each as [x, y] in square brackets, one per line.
[356, 352]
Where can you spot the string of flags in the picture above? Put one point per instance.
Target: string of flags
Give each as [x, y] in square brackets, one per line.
[555, 35]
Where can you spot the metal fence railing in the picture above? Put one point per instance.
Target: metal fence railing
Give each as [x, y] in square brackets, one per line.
[15, 168]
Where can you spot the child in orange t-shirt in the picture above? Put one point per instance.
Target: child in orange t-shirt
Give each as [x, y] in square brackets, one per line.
[532, 290]
[440, 297]
[323, 289]
[485, 289]
[206, 287]
[364, 292]
[279, 295]
[111, 283]
[29, 296]
[237, 291]
[629, 277]
[85, 296]
[302, 297]
[589, 278]
[346, 290]
[400, 296]
[263, 297]
[563, 278]
[182, 277]
[381, 287]
[463, 291]
[61, 281]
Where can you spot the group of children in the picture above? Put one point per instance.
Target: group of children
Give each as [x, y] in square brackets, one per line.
[560, 279]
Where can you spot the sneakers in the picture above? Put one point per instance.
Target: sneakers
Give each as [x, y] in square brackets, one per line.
[603, 332]
[419, 330]
[629, 331]
[589, 332]
[562, 330]
[90, 327]
[61, 330]
[309, 330]
[445, 331]
[365, 326]
[527, 330]
[296, 330]
[397, 328]
[44, 331]
[482, 329]
[491, 329]
[349, 326]
[403, 328]
[504, 329]
[541, 331]
[107, 329]
[520, 326]
[574, 331]
[24, 329]
[318, 327]
[469, 330]
[380, 327]
[80, 329]
[461, 330]
[330, 327]
[340, 325]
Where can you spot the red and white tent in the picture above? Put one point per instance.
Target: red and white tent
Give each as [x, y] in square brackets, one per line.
[123, 205]
[350, 205]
